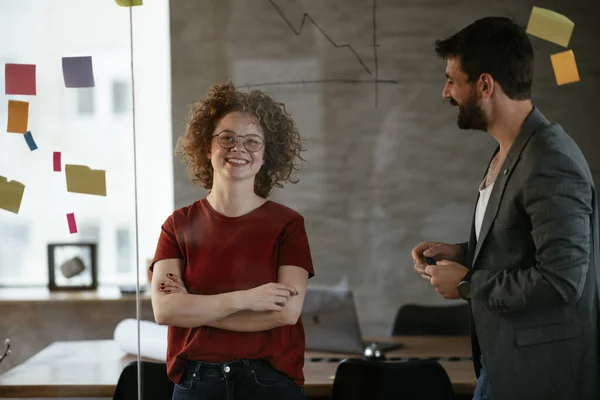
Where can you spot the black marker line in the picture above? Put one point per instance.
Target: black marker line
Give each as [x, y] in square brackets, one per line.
[347, 81]
[299, 31]
[376, 80]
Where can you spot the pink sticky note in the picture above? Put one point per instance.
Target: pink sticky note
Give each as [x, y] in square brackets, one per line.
[57, 164]
[20, 79]
[72, 223]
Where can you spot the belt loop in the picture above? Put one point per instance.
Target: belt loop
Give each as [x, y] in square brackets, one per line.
[246, 363]
[198, 365]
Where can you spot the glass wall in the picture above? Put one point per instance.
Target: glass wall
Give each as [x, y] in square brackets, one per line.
[73, 231]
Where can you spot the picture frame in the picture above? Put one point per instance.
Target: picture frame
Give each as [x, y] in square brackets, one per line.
[72, 266]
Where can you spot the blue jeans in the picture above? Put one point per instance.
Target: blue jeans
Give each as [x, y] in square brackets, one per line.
[235, 380]
[483, 391]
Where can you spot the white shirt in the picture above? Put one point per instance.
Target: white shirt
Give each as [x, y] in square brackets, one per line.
[484, 197]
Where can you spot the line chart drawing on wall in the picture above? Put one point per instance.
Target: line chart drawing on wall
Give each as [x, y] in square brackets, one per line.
[374, 72]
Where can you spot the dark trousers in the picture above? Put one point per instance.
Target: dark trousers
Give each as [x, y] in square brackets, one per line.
[235, 380]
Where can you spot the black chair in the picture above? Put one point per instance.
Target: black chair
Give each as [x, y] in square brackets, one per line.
[379, 380]
[155, 382]
[414, 319]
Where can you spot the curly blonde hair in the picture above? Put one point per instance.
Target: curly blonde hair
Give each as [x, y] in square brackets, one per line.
[282, 139]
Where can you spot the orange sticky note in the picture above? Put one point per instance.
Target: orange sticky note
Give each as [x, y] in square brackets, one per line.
[565, 67]
[18, 115]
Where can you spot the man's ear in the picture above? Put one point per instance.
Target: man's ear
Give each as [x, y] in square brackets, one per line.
[209, 155]
[487, 85]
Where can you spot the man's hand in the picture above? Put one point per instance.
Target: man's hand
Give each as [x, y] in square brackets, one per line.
[436, 250]
[445, 277]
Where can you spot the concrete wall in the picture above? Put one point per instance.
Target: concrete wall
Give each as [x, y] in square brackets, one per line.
[380, 176]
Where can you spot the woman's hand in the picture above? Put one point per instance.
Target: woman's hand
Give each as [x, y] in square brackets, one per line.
[268, 297]
[173, 284]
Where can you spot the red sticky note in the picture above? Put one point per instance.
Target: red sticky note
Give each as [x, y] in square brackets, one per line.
[72, 223]
[56, 159]
[20, 79]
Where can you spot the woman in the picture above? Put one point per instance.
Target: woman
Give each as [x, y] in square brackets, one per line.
[230, 271]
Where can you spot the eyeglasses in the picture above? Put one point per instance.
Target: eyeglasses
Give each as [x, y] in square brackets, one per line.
[228, 140]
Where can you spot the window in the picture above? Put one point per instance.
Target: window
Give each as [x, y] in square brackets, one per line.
[14, 247]
[85, 101]
[100, 143]
[124, 251]
[89, 233]
[121, 96]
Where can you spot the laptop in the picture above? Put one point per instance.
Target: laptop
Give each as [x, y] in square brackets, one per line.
[331, 323]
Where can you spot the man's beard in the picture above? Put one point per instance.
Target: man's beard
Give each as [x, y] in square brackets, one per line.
[471, 116]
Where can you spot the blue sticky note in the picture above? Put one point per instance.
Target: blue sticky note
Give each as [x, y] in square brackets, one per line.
[78, 72]
[30, 141]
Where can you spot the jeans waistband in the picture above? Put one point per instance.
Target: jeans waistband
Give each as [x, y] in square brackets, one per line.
[244, 363]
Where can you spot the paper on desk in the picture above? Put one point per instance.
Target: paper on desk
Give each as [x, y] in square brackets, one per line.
[11, 194]
[18, 116]
[565, 67]
[550, 26]
[153, 338]
[82, 179]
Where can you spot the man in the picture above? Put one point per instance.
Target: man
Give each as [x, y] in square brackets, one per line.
[530, 267]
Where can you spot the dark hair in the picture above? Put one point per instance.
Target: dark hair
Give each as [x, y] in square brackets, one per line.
[497, 46]
[282, 139]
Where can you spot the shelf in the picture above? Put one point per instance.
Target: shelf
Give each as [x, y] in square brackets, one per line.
[108, 293]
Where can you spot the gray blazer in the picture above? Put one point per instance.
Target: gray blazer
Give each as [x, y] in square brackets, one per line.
[535, 272]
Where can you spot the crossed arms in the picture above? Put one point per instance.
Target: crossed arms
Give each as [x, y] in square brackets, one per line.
[262, 308]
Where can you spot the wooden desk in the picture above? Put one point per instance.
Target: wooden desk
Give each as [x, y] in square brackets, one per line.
[92, 368]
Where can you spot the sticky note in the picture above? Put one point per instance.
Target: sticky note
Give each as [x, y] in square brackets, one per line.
[332, 377]
[565, 67]
[129, 3]
[72, 223]
[30, 141]
[11, 194]
[19, 79]
[550, 26]
[18, 116]
[56, 161]
[82, 179]
[78, 72]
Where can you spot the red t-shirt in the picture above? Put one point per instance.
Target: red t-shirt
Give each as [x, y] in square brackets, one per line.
[224, 254]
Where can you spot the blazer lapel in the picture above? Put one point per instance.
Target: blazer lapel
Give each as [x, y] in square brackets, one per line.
[473, 236]
[532, 122]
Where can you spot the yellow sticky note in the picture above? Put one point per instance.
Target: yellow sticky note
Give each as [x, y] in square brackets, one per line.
[82, 179]
[332, 377]
[18, 116]
[550, 26]
[565, 67]
[11, 194]
[129, 3]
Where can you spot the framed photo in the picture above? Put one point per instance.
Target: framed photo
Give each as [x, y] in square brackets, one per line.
[72, 266]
